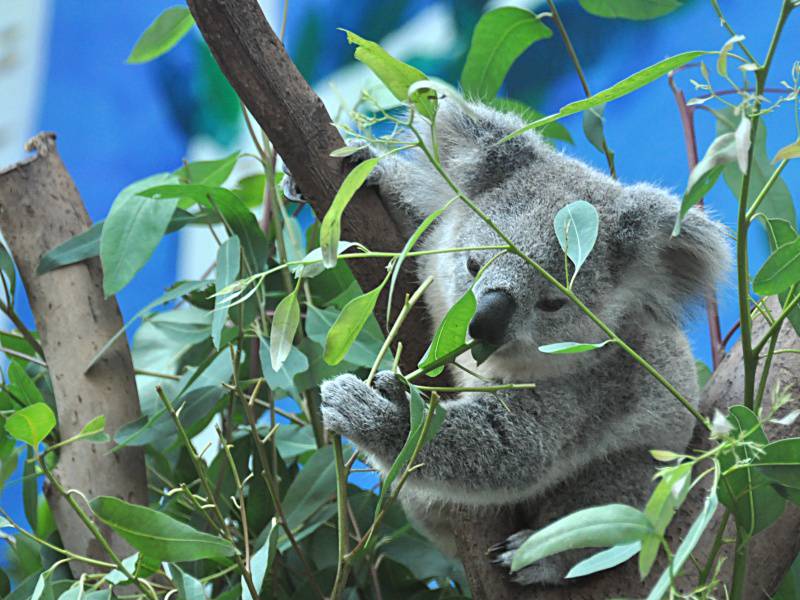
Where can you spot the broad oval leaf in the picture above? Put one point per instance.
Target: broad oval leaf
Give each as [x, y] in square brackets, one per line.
[745, 492]
[31, 424]
[157, 535]
[596, 527]
[500, 36]
[780, 462]
[780, 271]
[162, 34]
[618, 90]
[131, 232]
[576, 228]
[331, 229]
[571, 347]
[284, 326]
[451, 333]
[348, 324]
[602, 561]
[228, 266]
[637, 10]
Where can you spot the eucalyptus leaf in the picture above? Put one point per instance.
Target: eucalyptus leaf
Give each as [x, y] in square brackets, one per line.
[576, 227]
[162, 34]
[284, 327]
[228, 266]
[331, 228]
[788, 152]
[261, 561]
[156, 534]
[498, 39]
[571, 347]
[596, 527]
[780, 462]
[618, 90]
[604, 560]
[780, 271]
[31, 424]
[344, 332]
[451, 333]
[630, 9]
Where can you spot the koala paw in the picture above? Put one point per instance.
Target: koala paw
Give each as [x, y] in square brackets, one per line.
[547, 571]
[375, 419]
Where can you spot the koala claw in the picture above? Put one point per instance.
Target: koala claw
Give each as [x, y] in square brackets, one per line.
[547, 571]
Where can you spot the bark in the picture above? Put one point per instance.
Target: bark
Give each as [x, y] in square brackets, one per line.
[39, 209]
[260, 71]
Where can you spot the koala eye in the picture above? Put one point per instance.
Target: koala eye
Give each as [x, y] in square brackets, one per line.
[473, 266]
[551, 304]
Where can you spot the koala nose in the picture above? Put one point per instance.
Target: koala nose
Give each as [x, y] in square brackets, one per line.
[492, 317]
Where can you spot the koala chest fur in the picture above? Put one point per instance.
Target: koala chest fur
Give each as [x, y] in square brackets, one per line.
[582, 436]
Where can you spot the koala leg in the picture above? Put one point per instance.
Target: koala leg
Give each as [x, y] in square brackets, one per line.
[621, 478]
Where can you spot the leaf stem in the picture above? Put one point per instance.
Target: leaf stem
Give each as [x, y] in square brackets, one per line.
[342, 566]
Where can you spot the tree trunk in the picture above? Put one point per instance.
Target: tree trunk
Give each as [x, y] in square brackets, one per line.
[39, 209]
[258, 68]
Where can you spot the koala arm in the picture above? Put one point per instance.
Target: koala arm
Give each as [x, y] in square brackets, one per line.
[481, 446]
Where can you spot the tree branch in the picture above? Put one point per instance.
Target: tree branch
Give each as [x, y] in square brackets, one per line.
[39, 209]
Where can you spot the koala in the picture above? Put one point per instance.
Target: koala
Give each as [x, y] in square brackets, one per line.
[581, 437]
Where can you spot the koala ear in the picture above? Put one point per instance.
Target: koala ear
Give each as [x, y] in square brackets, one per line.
[667, 271]
[467, 136]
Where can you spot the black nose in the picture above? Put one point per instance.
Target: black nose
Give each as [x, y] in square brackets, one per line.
[492, 316]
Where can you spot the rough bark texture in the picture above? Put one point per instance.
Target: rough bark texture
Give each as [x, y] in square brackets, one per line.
[257, 66]
[39, 209]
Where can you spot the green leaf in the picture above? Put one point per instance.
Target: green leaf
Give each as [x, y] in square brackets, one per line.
[366, 346]
[396, 75]
[228, 259]
[685, 549]
[595, 527]
[637, 10]
[618, 90]
[703, 373]
[778, 203]
[162, 34]
[788, 152]
[665, 500]
[131, 232]
[576, 228]
[571, 347]
[22, 385]
[781, 232]
[315, 265]
[789, 588]
[314, 486]
[294, 440]
[780, 462]
[604, 560]
[780, 271]
[754, 504]
[451, 333]
[705, 173]
[209, 172]
[157, 535]
[94, 430]
[284, 326]
[30, 490]
[260, 561]
[593, 122]
[348, 325]
[31, 424]
[555, 131]
[188, 587]
[284, 378]
[500, 36]
[331, 229]
[7, 268]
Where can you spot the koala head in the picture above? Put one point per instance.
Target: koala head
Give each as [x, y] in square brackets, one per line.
[637, 274]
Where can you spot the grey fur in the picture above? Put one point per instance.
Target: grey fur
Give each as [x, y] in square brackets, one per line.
[581, 437]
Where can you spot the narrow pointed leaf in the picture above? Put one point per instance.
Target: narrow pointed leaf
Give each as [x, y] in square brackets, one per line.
[602, 561]
[284, 326]
[228, 266]
[451, 333]
[571, 347]
[162, 34]
[351, 320]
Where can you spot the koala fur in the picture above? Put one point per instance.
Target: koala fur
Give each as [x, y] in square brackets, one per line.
[581, 437]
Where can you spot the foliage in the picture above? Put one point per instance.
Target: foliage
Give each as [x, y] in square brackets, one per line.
[266, 507]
